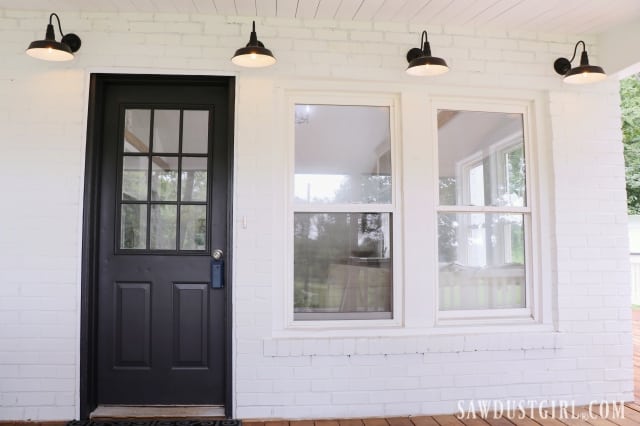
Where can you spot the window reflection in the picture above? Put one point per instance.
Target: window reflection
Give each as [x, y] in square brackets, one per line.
[195, 131]
[164, 178]
[481, 158]
[134, 178]
[133, 229]
[194, 179]
[166, 130]
[137, 125]
[482, 259]
[343, 154]
[342, 263]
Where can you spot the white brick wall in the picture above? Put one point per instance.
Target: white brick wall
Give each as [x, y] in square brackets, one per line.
[407, 371]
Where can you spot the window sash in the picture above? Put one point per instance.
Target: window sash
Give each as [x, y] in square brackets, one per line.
[346, 319]
[461, 316]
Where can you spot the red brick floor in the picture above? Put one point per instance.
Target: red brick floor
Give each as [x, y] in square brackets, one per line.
[581, 416]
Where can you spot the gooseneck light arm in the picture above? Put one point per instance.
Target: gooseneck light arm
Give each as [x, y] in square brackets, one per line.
[575, 50]
[57, 19]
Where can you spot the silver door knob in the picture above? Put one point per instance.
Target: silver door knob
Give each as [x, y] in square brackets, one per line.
[217, 254]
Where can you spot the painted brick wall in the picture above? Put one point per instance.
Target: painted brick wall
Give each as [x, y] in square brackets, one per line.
[584, 355]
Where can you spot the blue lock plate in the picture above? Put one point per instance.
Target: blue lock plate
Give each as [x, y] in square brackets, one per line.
[217, 274]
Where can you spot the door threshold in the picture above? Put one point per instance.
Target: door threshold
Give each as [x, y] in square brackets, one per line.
[157, 411]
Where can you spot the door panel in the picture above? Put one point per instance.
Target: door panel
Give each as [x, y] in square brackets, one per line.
[132, 324]
[163, 208]
[190, 325]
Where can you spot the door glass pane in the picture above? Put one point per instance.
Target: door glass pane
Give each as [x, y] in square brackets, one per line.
[342, 265]
[134, 178]
[195, 132]
[194, 179]
[481, 158]
[193, 227]
[166, 130]
[137, 124]
[342, 154]
[133, 226]
[481, 257]
[164, 178]
[163, 227]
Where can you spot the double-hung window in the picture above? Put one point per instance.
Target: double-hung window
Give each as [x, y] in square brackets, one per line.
[342, 212]
[484, 214]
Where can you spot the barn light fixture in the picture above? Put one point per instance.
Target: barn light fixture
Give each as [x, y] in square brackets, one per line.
[51, 50]
[582, 74]
[254, 54]
[421, 63]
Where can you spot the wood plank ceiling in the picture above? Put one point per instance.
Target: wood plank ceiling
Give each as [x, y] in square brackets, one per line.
[566, 16]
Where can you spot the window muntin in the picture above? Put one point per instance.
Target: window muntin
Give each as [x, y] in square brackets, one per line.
[342, 213]
[164, 184]
[483, 215]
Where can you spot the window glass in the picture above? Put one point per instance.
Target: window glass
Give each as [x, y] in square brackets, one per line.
[193, 227]
[481, 158]
[164, 178]
[195, 131]
[342, 263]
[342, 154]
[163, 227]
[166, 130]
[133, 229]
[137, 125]
[482, 261]
[134, 178]
[194, 179]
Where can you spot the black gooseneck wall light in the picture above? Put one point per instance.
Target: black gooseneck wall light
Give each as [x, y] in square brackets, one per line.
[582, 74]
[421, 63]
[51, 50]
[254, 54]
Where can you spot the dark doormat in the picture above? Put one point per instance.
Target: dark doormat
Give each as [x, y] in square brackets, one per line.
[138, 422]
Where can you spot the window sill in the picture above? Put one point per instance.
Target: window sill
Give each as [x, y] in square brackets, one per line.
[397, 340]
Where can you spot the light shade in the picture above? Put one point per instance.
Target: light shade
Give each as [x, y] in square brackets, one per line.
[51, 50]
[582, 74]
[421, 63]
[427, 66]
[254, 54]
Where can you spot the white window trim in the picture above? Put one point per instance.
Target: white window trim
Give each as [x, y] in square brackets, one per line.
[416, 152]
[532, 313]
[392, 101]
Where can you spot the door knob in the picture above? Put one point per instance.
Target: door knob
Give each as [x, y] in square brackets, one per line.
[217, 254]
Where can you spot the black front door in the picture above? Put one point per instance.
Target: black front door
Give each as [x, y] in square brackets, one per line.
[163, 185]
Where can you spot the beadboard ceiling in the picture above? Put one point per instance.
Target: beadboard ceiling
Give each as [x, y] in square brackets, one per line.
[556, 16]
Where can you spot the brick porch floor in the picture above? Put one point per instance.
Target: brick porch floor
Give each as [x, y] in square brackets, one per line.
[581, 416]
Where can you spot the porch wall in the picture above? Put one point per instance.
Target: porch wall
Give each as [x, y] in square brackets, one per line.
[43, 122]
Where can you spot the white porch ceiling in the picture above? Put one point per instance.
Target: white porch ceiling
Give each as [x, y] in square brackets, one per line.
[565, 16]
